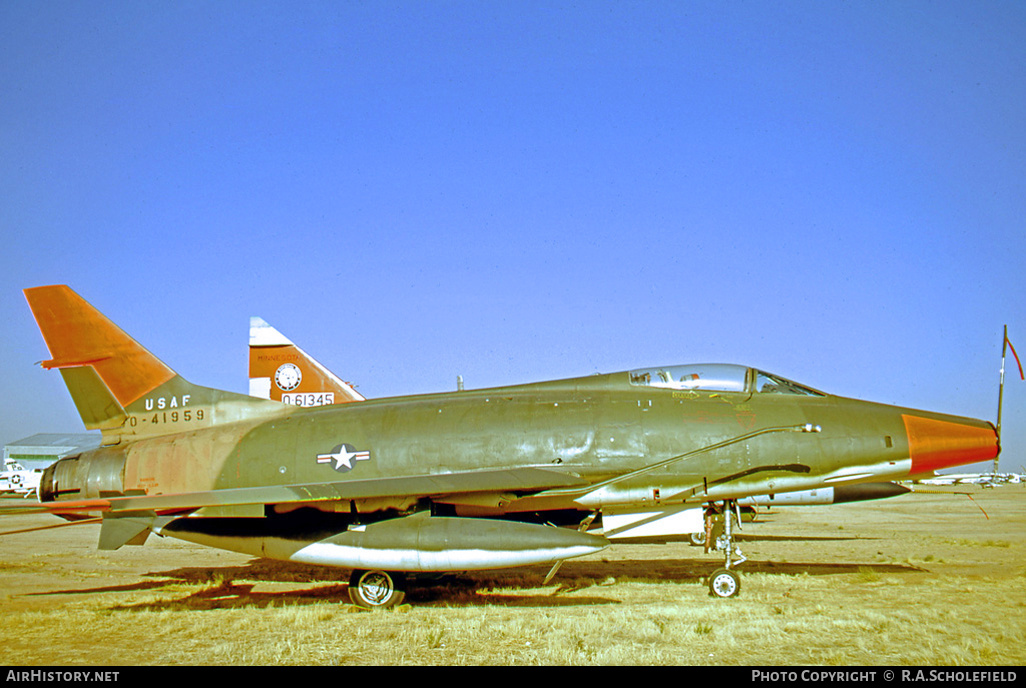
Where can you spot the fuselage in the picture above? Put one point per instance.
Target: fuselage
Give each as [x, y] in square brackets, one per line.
[597, 427]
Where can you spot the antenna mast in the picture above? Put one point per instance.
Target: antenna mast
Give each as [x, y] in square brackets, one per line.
[1001, 394]
[1005, 346]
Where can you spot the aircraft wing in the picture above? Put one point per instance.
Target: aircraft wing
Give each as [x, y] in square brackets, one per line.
[515, 480]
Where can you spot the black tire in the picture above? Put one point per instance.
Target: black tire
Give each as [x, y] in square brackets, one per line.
[724, 583]
[377, 589]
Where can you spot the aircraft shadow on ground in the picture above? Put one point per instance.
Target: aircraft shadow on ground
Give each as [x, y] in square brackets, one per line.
[317, 585]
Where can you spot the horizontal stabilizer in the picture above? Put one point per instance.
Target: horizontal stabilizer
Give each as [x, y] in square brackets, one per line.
[117, 531]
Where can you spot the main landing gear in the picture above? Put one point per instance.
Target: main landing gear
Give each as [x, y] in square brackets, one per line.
[377, 589]
[720, 521]
[385, 589]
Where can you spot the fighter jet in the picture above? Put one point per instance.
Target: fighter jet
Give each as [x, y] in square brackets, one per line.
[457, 481]
[269, 348]
[280, 370]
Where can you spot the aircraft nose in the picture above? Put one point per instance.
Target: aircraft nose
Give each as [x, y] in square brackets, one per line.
[936, 442]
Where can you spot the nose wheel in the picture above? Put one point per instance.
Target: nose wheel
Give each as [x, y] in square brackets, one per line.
[724, 583]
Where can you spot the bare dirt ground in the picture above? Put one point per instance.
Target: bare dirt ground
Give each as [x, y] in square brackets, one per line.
[913, 540]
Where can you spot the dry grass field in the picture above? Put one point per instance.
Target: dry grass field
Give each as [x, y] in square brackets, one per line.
[922, 579]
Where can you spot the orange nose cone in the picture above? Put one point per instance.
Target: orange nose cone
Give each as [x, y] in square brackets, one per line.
[934, 444]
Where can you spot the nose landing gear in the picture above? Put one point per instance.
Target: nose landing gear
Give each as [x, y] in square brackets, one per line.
[720, 520]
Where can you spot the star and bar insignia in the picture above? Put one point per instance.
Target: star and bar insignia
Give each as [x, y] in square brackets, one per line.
[343, 457]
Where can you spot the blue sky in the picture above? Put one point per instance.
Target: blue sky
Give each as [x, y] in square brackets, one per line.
[512, 192]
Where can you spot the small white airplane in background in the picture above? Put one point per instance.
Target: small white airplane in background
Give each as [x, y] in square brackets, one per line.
[981, 479]
[18, 479]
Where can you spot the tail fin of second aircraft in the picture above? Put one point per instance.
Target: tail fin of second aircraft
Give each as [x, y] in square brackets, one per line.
[280, 370]
[117, 385]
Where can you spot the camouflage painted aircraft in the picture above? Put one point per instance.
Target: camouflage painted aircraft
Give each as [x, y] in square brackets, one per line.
[455, 481]
[280, 370]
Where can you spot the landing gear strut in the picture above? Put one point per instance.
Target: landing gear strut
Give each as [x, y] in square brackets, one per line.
[719, 531]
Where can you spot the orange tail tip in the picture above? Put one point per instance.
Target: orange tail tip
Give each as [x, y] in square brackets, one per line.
[935, 444]
[79, 335]
[280, 370]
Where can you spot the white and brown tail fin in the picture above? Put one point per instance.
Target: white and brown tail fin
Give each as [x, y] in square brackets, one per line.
[281, 371]
[117, 385]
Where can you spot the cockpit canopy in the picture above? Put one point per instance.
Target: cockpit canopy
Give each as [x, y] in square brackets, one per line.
[718, 377]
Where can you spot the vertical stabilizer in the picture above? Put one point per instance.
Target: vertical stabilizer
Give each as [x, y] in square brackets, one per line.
[78, 335]
[281, 371]
[117, 385]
